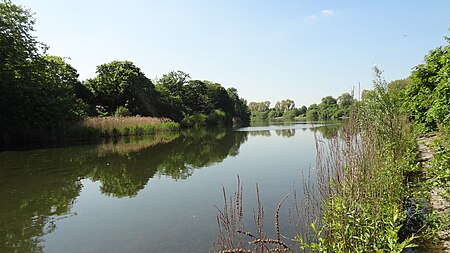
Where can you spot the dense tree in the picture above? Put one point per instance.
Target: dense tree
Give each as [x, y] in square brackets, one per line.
[313, 112]
[427, 96]
[241, 111]
[171, 89]
[328, 107]
[284, 105]
[197, 102]
[38, 91]
[121, 83]
[259, 106]
[302, 110]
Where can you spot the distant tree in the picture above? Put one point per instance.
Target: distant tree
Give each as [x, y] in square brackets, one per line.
[241, 110]
[345, 100]
[313, 112]
[196, 97]
[302, 110]
[284, 105]
[328, 107]
[259, 106]
[171, 89]
[121, 83]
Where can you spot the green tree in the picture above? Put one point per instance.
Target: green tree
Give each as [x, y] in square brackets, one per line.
[345, 101]
[328, 107]
[38, 91]
[241, 111]
[121, 83]
[427, 97]
[171, 89]
[313, 112]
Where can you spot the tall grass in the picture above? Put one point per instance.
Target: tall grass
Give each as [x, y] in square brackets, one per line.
[361, 179]
[87, 130]
[357, 203]
[129, 126]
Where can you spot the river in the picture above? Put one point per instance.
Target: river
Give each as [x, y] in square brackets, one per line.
[151, 194]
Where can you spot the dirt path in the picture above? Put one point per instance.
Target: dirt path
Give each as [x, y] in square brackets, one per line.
[438, 203]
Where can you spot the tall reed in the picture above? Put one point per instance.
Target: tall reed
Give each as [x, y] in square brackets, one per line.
[361, 179]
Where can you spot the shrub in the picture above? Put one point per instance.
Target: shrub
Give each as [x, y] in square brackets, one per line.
[195, 120]
[122, 111]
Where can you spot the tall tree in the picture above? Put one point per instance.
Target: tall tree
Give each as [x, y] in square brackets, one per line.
[37, 90]
[171, 89]
[427, 97]
[121, 83]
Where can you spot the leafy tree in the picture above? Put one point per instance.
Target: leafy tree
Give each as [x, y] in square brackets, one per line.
[328, 107]
[302, 110]
[220, 98]
[196, 97]
[241, 110]
[290, 114]
[345, 101]
[427, 97]
[121, 83]
[284, 105]
[58, 80]
[313, 112]
[259, 106]
[171, 89]
[38, 91]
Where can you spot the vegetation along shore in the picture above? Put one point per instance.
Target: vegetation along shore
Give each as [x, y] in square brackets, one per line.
[43, 99]
[374, 191]
[382, 183]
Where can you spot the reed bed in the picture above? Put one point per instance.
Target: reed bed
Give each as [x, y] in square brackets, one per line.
[357, 201]
[129, 126]
[108, 123]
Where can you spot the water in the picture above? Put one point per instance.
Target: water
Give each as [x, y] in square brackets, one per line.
[154, 194]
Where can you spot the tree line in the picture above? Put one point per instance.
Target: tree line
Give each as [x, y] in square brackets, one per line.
[328, 108]
[39, 91]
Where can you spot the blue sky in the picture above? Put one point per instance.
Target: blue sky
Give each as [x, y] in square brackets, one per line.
[267, 49]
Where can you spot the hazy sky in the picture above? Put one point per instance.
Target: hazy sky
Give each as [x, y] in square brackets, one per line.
[267, 49]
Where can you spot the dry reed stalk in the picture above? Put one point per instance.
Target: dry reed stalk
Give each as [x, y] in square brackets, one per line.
[109, 123]
[231, 230]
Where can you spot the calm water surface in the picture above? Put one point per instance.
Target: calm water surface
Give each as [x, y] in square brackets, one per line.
[155, 194]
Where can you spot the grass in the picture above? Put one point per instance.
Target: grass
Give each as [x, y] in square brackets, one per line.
[358, 201]
[362, 180]
[129, 126]
[88, 130]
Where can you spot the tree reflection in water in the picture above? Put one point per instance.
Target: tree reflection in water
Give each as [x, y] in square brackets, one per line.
[37, 187]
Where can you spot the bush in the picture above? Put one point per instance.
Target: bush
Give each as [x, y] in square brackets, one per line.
[195, 120]
[216, 117]
[122, 111]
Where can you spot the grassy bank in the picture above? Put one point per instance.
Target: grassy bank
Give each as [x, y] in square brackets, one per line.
[88, 130]
[362, 181]
[129, 126]
[359, 201]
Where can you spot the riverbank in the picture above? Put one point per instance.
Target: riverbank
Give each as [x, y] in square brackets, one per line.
[433, 154]
[88, 130]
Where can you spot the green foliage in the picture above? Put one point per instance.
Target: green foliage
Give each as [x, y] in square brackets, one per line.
[121, 83]
[182, 97]
[427, 95]
[195, 120]
[364, 195]
[122, 111]
[38, 91]
[291, 114]
[328, 108]
[217, 117]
